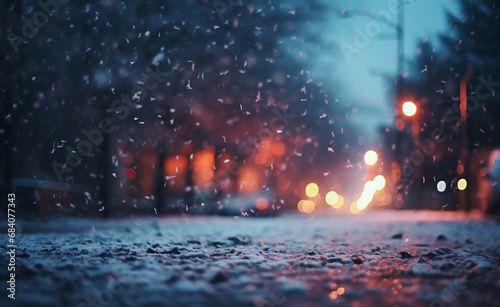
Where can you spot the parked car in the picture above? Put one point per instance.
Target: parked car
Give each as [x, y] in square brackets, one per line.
[489, 183]
[259, 203]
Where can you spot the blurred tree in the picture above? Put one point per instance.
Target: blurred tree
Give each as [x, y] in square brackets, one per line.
[469, 46]
[231, 80]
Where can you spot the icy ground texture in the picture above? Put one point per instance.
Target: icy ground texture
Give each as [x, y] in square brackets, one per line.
[378, 259]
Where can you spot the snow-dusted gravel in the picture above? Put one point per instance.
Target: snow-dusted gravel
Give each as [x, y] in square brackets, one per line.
[383, 258]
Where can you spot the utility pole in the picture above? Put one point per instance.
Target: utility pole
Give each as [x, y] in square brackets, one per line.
[464, 154]
[399, 27]
[400, 83]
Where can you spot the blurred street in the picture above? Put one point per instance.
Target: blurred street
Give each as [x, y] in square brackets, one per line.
[254, 153]
[390, 258]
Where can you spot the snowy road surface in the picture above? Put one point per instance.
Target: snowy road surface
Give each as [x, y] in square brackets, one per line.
[383, 258]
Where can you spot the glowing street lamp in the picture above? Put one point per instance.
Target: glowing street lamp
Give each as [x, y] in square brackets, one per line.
[409, 108]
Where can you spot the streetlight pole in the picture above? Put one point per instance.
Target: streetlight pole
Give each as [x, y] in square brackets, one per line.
[399, 27]
[409, 109]
[415, 128]
[464, 155]
[400, 88]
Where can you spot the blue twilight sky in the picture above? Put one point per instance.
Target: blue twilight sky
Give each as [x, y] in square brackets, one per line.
[362, 85]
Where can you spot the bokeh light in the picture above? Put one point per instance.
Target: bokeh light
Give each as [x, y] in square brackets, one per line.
[339, 203]
[333, 295]
[300, 204]
[409, 108]
[261, 158]
[332, 198]
[379, 182]
[369, 190]
[312, 189]
[354, 208]
[441, 186]
[278, 149]
[364, 200]
[306, 206]
[248, 179]
[130, 173]
[371, 157]
[262, 203]
[462, 184]
[203, 166]
[369, 187]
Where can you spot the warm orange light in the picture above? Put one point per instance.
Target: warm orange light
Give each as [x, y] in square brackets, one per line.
[210, 149]
[265, 145]
[300, 205]
[354, 209]
[248, 179]
[333, 295]
[261, 158]
[261, 203]
[307, 206]
[175, 165]
[460, 169]
[341, 290]
[371, 157]
[203, 166]
[339, 203]
[409, 108]
[278, 149]
[312, 189]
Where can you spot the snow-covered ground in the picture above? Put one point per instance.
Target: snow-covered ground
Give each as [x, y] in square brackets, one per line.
[383, 258]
